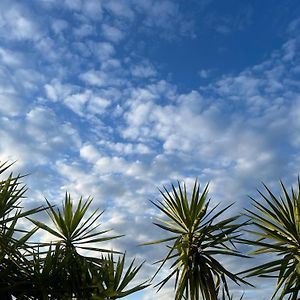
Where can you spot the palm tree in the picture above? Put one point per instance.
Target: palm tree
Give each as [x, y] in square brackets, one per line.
[104, 278]
[13, 239]
[112, 279]
[197, 236]
[277, 222]
[78, 275]
[56, 270]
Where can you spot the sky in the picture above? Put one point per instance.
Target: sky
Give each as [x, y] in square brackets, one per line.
[114, 99]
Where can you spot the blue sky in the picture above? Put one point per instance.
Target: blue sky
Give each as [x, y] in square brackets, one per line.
[116, 98]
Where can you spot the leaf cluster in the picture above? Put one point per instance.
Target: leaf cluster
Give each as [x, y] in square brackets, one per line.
[277, 223]
[57, 270]
[197, 235]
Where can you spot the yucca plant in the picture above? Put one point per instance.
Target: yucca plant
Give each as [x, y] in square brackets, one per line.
[40, 277]
[71, 274]
[73, 230]
[277, 223]
[199, 238]
[112, 280]
[56, 270]
[11, 194]
[13, 239]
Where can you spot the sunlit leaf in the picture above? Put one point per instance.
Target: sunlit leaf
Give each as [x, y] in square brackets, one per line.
[278, 232]
[198, 237]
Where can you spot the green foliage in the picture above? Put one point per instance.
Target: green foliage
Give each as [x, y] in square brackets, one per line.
[73, 266]
[57, 270]
[198, 234]
[277, 221]
[111, 278]
[13, 250]
[71, 228]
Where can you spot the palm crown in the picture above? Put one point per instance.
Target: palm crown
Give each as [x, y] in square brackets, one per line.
[277, 221]
[197, 236]
[56, 270]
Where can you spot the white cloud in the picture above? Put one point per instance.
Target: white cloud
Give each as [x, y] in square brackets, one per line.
[126, 148]
[164, 15]
[290, 49]
[112, 33]
[47, 45]
[80, 102]
[56, 91]
[38, 138]
[73, 4]
[93, 9]
[17, 24]
[27, 80]
[42, 128]
[77, 102]
[101, 79]
[159, 13]
[13, 147]
[93, 77]
[143, 70]
[84, 30]
[11, 105]
[102, 50]
[108, 165]
[86, 102]
[89, 153]
[111, 65]
[120, 8]
[10, 58]
[294, 26]
[204, 73]
[236, 132]
[59, 25]
[97, 105]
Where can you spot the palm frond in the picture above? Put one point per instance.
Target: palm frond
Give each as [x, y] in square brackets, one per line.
[277, 220]
[197, 235]
[72, 227]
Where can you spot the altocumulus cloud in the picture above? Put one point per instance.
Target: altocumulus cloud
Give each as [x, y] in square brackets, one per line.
[85, 108]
